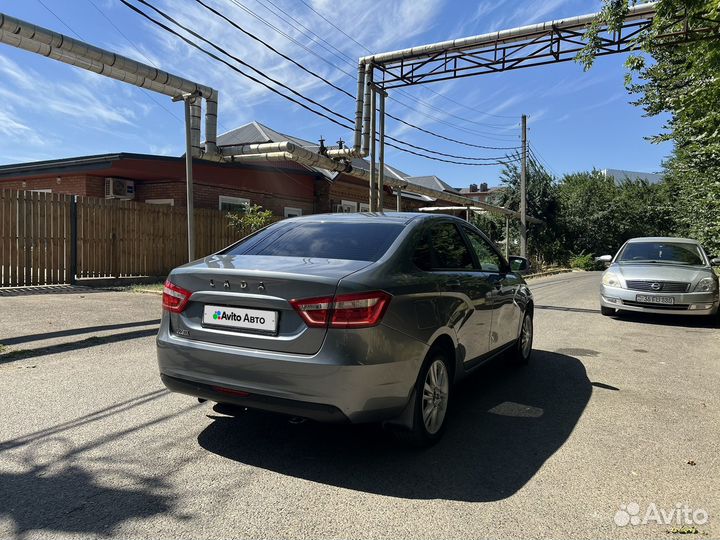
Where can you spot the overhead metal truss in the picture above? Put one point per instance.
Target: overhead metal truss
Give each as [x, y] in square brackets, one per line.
[528, 46]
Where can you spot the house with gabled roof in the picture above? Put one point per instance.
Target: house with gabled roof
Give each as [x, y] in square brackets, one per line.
[286, 188]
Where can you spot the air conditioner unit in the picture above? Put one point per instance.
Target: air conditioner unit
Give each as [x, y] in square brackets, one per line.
[119, 188]
[344, 209]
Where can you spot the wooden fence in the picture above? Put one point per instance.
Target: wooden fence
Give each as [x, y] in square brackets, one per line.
[47, 238]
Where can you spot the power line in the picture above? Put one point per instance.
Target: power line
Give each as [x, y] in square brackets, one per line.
[289, 98]
[368, 50]
[144, 92]
[351, 62]
[132, 44]
[343, 91]
[237, 59]
[283, 85]
[273, 49]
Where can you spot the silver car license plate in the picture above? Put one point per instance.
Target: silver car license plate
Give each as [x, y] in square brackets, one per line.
[647, 299]
[257, 320]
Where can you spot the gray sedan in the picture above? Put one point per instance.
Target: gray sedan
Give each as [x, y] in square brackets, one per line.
[345, 317]
[660, 275]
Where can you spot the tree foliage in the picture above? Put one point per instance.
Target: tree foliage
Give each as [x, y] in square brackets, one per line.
[682, 78]
[250, 218]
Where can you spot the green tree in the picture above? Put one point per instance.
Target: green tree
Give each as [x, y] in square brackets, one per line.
[682, 78]
[598, 213]
[545, 241]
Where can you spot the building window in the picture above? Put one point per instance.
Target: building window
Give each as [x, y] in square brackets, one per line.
[41, 190]
[364, 207]
[292, 212]
[168, 202]
[232, 204]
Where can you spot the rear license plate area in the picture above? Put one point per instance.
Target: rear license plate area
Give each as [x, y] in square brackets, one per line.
[258, 321]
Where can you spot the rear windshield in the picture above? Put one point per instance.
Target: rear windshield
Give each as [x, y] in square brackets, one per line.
[352, 241]
[662, 252]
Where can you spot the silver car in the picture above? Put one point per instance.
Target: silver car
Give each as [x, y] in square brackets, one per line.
[660, 275]
[345, 318]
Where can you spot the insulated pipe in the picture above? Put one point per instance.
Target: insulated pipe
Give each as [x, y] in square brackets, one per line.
[359, 108]
[373, 154]
[311, 161]
[289, 151]
[84, 63]
[381, 156]
[639, 11]
[366, 113]
[258, 148]
[211, 108]
[36, 39]
[195, 112]
[60, 42]
[344, 153]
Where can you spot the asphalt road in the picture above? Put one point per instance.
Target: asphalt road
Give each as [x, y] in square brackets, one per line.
[609, 412]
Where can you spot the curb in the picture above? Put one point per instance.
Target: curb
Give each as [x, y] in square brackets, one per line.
[551, 273]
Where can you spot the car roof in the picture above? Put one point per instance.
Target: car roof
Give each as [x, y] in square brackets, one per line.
[374, 217]
[663, 239]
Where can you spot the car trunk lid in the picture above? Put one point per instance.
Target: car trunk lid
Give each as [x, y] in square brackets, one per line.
[230, 287]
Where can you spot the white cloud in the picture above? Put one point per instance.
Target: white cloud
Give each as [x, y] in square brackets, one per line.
[73, 99]
[14, 131]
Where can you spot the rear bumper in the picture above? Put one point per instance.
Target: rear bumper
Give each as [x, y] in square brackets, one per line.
[313, 411]
[362, 375]
[684, 303]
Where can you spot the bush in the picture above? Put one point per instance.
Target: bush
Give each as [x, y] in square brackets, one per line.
[583, 262]
[250, 219]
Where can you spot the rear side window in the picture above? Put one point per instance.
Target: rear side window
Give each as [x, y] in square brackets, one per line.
[450, 250]
[352, 241]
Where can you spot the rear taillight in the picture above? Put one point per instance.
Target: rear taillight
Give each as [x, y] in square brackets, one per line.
[314, 311]
[174, 298]
[358, 310]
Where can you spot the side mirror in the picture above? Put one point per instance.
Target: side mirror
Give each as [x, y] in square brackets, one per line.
[519, 265]
[715, 261]
[604, 259]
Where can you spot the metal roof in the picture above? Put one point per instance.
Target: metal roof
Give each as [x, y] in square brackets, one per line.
[431, 182]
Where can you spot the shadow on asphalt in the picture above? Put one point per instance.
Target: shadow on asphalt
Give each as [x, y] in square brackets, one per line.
[504, 424]
[73, 501]
[92, 341]
[76, 331]
[571, 309]
[47, 289]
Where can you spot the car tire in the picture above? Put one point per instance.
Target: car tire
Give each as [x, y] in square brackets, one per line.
[607, 311]
[432, 397]
[522, 350]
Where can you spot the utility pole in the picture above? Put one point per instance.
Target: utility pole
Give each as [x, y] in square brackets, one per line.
[523, 190]
[189, 100]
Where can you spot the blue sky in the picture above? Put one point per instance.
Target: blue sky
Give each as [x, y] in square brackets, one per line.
[577, 120]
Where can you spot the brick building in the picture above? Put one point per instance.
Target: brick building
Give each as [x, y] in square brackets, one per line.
[285, 188]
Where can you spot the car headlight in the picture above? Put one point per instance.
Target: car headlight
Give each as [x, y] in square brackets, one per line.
[611, 279]
[706, 285]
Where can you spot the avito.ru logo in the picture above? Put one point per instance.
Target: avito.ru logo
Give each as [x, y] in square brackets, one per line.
[681, 514]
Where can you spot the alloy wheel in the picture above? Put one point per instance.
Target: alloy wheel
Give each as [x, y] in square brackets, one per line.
[435, 396]
[526, 336]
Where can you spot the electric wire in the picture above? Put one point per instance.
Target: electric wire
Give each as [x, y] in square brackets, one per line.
[343, 91]
[144, 92]
[369, 51]
[303, 105]
[338, 88]
[352, 77]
